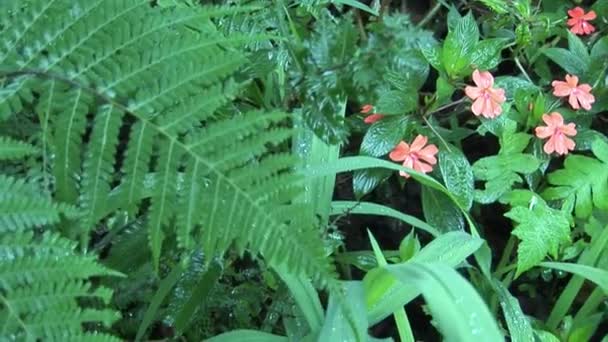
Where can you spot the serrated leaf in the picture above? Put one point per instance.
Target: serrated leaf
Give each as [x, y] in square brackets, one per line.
[11, 149]
[583, 180]
[501, 173]
[439, 211]
[498, 6]
[542, 230]
[432, 54]
[457, 176]
[459, 45]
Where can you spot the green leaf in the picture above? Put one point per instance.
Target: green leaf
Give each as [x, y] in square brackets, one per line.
[520, 329]
[542, 230]
[444, 91]
[500, 173]
[247, 336]
[596, 275]
[459, 46]
[457, 309]
[357, 4]
[583, 180]
[11, 149]
[432, 54]
[457, 176]
[385, 295]
[367, 208]
[579, 49]
[486, 54]
[384, 135]
[365, 181]
[397, 102]
[337, 325]
[511, 84]
[567, 60]
[440, 211]
[305, 296]
[498, 6]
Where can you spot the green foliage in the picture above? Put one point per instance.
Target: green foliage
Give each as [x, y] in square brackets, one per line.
[501, 172]
[542, 231]
[212, 155]
[583, 181]
[43, 278]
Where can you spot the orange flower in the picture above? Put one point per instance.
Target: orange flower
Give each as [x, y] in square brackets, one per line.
[416, 157]
[579, 21]
[370, 119]
[487, 100]
[557, 133]
[579, 95]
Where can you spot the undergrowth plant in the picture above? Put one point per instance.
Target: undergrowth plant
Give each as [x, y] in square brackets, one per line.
[303, 170]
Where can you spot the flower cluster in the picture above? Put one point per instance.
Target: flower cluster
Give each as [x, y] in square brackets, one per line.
[487, 101]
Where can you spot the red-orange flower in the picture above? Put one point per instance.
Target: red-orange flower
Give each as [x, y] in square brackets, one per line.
[487, 100]
[579, 95]
[416, 156]
[579, 21]
[370, 119]
[557, 133]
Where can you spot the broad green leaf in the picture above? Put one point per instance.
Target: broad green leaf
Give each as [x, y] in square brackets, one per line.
[403, 324]
[337, 325]
[432, 54]
[365, 181]
[457, 176]
[367, 208]
[541, 230]
[520, 329]
[578, 48]
[566, 59]
[459, 46]
[593, 274]
[457, 309]
[444, 91]
[247, 336]
[385, 295]
[486, 54]
[440, 211]
[545, 336]
[512, 83]
[384, 135]
[409, 246]
[305, 296]
[397, 102]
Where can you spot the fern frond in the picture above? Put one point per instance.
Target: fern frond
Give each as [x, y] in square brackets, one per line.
[155, 79]
[99, 164]
[13, 149]
[21, 206]
[42, 278]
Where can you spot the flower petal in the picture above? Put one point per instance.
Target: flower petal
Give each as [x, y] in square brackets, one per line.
[478, 106]
[561, 88]
[418, 143]
[400, 152]
[428, 154]
[569, 129]
[573, 100]
[549, 146]
[543, 132]
[473, 92]
[422, 167]
[576, 12]
[590, 15]
[483, 79]
[370, 119]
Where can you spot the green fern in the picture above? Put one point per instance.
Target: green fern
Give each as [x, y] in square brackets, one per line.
[157, 79]
[12, 149]
[42, 278]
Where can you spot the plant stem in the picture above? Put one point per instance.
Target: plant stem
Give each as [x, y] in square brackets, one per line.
[521, 68]
[446, 106]
[445, 144]
[506, 254]
[429, 15]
